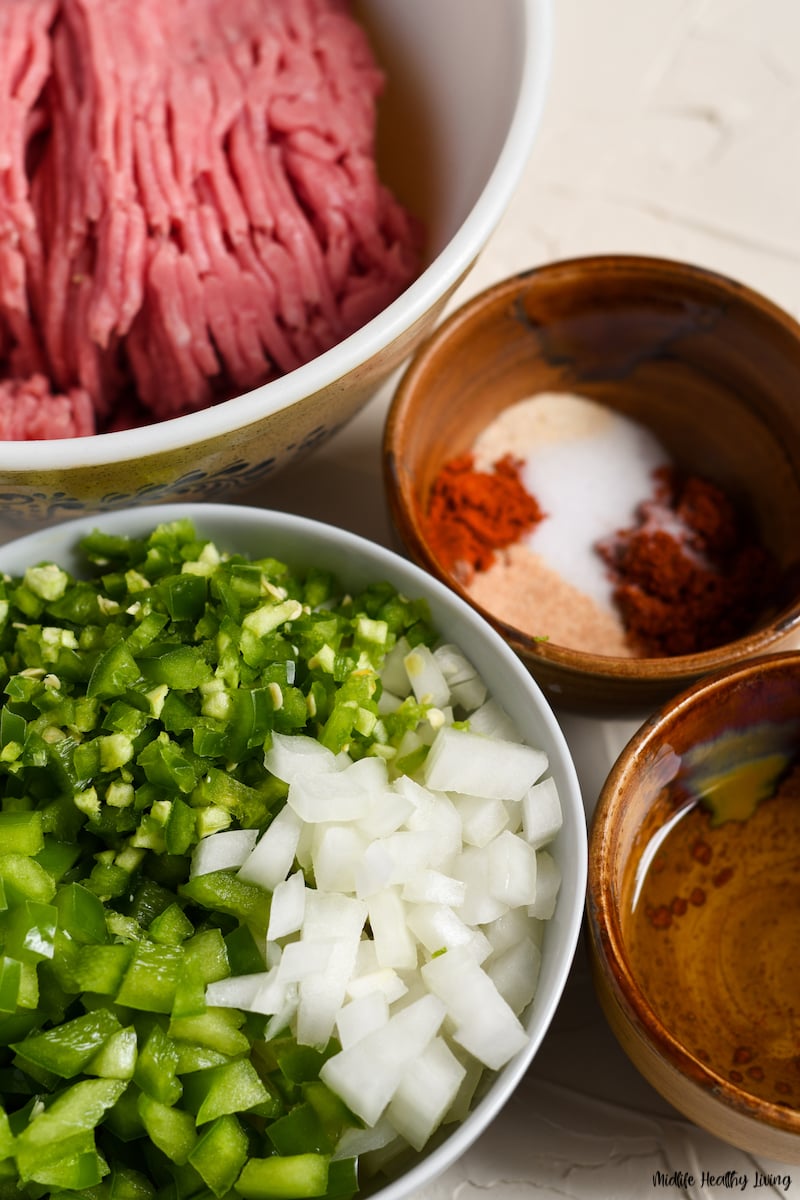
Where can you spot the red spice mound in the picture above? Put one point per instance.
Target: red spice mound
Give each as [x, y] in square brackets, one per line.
[471, 514]
[689, 575]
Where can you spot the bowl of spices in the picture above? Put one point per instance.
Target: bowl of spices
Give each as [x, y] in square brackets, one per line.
[603, 456]
[694, 903]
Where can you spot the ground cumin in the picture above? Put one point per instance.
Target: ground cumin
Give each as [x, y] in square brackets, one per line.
[471, 514]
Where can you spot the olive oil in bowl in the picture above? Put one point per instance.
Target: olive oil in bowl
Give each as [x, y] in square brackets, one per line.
[712, 922]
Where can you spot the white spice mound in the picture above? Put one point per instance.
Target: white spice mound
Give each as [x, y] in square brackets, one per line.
[589, 467]
[538, 421]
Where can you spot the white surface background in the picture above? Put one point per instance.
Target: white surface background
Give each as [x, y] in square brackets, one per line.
[672, 128]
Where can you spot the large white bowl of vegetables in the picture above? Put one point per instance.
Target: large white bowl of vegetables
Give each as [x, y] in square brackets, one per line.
[292, 862]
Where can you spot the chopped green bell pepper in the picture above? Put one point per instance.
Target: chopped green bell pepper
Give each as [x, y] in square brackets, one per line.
[284, 1178]
[233, 1087]
[138, 705]
[67, 1048]
[21, 832]
[220, 1153]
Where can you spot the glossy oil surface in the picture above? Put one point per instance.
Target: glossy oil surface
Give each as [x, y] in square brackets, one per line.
[712, 927]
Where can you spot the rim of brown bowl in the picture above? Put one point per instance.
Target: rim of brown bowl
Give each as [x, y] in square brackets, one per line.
[615, 981]
[657, 678]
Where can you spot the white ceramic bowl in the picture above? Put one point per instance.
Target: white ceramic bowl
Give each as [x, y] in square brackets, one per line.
[299, 541]
[466, 88]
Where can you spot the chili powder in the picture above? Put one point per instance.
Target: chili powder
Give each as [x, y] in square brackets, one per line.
[689, 576]
[471, 514]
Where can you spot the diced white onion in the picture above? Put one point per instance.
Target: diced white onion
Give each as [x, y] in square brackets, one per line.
[461, 1107]
[394, 676]
[462, 761]
[375, 871]
[220, 851]
[492, 720]
[409, 851]
[515, 973]
[541, 812]
[513, 926]
[361, 1016]
[383, 979]
[354, 1143]
[388, 702]
[419, 943]
[433, 887]
[512, 870]
[237, 991]
[271, 860]
[336, 855]
[368, 1073]
[282, 1013]
[288, 907]
[472, 867]
[485, 1024]
[292, 756]
[425, 676]
[308, 957]
[425, 1093]
[467, 689]
[490, 1038]
[438, 927]
[548, 882]
[394, 945]
[317, 798]
[481, 819]
[434, 814]
[322, 994]
[389, 811]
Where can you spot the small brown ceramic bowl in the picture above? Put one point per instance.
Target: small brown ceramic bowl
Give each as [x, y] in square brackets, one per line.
[694, 903]
[709, 366]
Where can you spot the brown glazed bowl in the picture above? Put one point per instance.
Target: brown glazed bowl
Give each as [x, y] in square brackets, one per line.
[704, 1000]
[711, 367]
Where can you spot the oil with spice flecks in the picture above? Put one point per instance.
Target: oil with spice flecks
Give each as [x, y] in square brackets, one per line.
[712, 926]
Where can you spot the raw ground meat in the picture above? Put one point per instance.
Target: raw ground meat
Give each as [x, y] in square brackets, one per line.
[189, 203]
[29, 411]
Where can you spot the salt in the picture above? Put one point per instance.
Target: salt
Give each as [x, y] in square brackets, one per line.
[590, 468]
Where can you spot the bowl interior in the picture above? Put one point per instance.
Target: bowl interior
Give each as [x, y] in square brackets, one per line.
[694, 894]
[710, 368]
[439, 138]
[357, 562]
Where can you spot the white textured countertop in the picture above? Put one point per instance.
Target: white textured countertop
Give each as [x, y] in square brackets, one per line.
[671, 129]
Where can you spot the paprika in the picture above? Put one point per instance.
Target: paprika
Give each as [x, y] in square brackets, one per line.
[471, 513]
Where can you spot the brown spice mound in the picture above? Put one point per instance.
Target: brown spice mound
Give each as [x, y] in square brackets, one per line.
[471, 514]
[689, 575]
